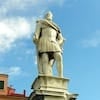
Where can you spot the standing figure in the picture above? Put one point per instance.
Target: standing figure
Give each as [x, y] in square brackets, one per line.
[48, 40]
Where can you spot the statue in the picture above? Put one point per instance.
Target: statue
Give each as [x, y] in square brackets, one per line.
[48, 40]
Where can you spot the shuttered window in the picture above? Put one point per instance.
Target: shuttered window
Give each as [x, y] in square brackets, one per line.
[1, 84]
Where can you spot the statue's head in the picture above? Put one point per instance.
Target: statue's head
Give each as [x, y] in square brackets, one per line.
[48, 15]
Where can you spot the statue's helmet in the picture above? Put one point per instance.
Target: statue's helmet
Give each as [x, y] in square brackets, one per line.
[48, 15]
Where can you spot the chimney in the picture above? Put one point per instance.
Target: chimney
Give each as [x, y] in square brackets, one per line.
[24, 93]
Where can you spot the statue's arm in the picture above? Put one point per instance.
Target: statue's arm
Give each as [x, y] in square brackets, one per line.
[60, 39]
[36, 33]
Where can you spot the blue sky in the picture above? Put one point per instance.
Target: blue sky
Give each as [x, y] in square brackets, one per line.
[79, 21]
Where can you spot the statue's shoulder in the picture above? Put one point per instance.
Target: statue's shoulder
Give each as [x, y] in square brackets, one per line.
[40, 21]
[55, 25]
[43, 21]
[48, 23]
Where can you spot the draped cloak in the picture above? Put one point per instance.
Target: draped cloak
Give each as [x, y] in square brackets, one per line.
[48, 37]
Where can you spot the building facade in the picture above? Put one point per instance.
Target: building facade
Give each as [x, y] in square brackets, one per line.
[8, 93]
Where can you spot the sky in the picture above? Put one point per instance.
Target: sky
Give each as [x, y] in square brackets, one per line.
[79, 21]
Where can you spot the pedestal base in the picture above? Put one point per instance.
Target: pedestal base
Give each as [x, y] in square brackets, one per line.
[51, 88]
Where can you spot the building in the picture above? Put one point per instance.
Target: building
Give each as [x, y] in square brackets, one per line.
[7, 92]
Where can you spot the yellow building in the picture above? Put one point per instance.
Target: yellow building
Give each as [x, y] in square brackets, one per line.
[8, 93]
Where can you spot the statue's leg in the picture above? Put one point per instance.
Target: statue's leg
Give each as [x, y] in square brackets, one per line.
[39, 62]
[45, 64]
[51, 62]
[59, 64]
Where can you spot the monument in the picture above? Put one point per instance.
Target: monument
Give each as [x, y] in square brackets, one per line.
[49, 41]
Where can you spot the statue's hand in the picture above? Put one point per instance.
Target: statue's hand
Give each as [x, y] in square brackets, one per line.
[35, 40]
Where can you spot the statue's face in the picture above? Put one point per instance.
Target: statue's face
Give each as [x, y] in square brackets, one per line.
[49, 16]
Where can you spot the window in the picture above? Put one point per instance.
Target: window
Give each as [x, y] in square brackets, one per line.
[1, 84]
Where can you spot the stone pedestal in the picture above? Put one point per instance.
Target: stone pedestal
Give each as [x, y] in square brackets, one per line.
[51, 88]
